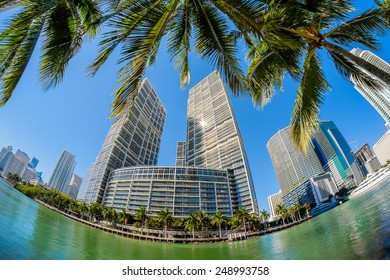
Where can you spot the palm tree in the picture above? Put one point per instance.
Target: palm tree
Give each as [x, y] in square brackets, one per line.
[141, 215]
[297, 209]
[166, 219]
[192, 223]
[242, 216]
[203, 219]
[95, 211]
[123, 216]
[138, 27]
[293, 31]
[264, 216]
[218, 220]
[306, 206]
[60, 23]
[281, 211]
[83, 209]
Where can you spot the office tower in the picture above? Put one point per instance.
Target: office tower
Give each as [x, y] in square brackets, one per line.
[181, 153]
[367, 160]
[29, 174]
[34, 162]
[292, 166]
[84, 184]
[72, 189]
[273, 201]
[334, 152]
[134, 139]
[63, 171]
[382, 148]
[5, 155]
[15, 164]
[379, 99]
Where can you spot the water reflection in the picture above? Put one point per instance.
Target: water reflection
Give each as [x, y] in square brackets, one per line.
[358, 229]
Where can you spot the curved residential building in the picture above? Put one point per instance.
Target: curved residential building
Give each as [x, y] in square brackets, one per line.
[181, 190]
[292, 166]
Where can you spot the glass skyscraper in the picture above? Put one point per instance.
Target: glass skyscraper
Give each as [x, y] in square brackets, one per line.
[292, 166]
[333, 151]
[63, 171]
[379, 99]
[134, 139]
[214, 139]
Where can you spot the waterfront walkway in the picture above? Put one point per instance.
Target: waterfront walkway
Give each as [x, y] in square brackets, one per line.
[134, 235]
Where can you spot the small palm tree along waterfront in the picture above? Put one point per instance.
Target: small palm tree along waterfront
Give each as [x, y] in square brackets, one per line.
[359, 229]
[198, 227]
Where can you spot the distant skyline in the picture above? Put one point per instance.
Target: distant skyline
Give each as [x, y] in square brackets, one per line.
[74, 116]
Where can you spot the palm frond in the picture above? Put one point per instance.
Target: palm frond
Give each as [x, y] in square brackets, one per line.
[140, 50]
[90, 15]
[361, 29]
[304, 119]
[266, 71]
[123, 24]
[213, 44]
[180, 30]
[62, 39]
[16, 48]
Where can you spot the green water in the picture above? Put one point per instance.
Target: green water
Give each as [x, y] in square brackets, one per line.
[358, 229]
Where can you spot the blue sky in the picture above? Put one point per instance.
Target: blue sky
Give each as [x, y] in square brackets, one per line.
[75, 115]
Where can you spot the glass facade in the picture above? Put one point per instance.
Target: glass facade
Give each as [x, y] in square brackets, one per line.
[214, 140]
[181, 190]
[333, 151]
[63, 171]
[134, 139]
[292, 166]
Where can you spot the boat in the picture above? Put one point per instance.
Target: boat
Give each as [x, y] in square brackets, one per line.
[372, 180]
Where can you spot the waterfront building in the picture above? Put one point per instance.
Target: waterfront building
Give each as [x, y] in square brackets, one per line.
[63, 171]
[72, 189]
[382, 148]
[302, 193]
[293, 168]
[84, 184]
[379, 99]
[367, 160]
[214, 140]
[324, 187]
[133, 140]
[273, 201]
[181, 153]
[334, 153]
[181, 190]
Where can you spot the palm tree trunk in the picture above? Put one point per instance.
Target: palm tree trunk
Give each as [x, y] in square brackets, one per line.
[383, 75]
[220, 231]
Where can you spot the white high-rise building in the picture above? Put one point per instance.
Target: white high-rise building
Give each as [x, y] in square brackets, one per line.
[214, 139]
[74, 186]
[84, 184]
[63, 171]
[134, 139]
[379, 99]
[382, 148]
[273, 201]
[15, 164]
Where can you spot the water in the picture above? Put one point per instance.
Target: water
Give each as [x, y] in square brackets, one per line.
[358, 229]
